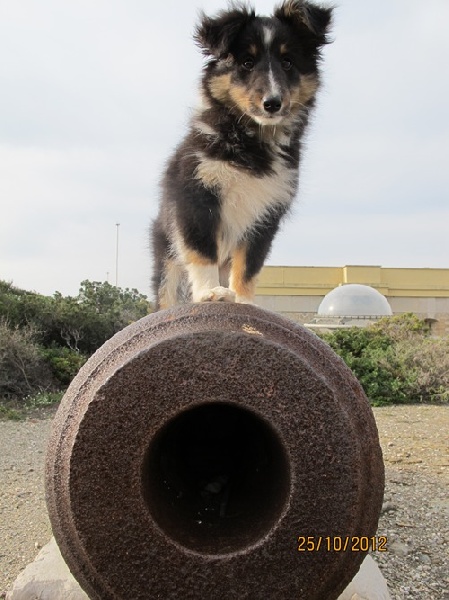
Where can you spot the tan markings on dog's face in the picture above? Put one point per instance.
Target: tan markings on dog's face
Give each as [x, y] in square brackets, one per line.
[239, 95]
[244, 289]
[283, 49]
[304, 92]
[252, 50]
[249, 99]
[224, 90]
[219, 87]
[228, 92]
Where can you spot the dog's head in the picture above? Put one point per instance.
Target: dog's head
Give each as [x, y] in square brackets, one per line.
[264, 67]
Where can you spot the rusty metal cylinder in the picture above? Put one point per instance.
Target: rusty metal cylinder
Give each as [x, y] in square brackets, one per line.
[214, 451]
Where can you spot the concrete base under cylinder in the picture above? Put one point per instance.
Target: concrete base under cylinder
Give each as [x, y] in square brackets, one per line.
[197, 445]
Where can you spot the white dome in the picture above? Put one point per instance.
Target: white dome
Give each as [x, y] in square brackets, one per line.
[354, 300]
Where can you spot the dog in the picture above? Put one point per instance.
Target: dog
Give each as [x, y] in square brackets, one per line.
[233, 178]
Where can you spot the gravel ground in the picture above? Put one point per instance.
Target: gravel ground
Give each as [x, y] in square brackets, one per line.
[415, 516]
[24, 524]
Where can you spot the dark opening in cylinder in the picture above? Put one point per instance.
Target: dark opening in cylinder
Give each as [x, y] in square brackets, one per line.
[216, 478]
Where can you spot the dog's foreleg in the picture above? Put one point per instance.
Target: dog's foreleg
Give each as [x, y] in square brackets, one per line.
[240, 283]
[249, 257]
[205, 280]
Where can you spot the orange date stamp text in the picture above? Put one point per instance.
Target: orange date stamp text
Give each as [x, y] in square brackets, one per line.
[342, 543]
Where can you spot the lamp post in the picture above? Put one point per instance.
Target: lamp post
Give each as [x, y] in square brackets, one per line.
[116, 256]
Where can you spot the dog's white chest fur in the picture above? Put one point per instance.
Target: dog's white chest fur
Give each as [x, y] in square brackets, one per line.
[245, 198]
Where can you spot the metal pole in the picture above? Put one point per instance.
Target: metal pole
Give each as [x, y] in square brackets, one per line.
[116, 256]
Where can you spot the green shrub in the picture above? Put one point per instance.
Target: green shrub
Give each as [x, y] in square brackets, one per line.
[81, 323]
[23, 370]
[64, 363]
[395, 360]
[44, 340]
[426, 361]
[369, 354]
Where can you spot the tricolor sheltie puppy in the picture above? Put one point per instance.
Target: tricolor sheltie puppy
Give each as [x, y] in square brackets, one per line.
[234, 176]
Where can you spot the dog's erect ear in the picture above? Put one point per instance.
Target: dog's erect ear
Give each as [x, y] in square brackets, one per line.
[311, 21]
[215, 34]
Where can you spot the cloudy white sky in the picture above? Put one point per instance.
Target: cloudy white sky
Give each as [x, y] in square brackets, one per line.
[94, 94]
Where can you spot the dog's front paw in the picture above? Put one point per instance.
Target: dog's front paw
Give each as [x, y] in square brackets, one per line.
[218, 294]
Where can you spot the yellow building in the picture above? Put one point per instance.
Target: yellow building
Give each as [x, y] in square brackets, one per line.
[297, 292]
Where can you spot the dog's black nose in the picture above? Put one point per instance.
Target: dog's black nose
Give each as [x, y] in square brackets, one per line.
[272, 104]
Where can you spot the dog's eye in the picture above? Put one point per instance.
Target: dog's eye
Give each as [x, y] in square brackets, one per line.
[248, 64]
[286, 63]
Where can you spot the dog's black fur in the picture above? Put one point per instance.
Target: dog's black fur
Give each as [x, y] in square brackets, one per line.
[235, 174]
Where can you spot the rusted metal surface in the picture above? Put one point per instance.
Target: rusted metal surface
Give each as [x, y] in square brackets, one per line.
[197, 445]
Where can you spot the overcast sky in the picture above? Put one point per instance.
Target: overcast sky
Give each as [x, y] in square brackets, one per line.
[94, 94]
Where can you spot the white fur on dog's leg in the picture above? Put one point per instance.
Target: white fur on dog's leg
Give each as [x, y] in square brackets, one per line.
[218, 294]
[203, 278]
